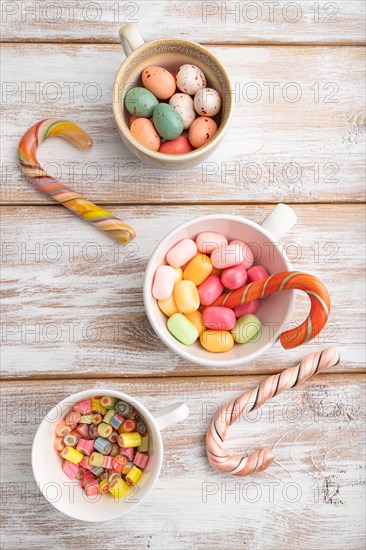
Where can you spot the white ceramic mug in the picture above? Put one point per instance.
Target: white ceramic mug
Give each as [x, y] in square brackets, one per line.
[274, 312]
[65, 494]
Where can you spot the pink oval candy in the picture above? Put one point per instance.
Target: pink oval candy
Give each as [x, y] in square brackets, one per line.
[256, 273]
[247, 252]
[163, 282]
[210, 290]
[219, 318]
[234, 277]
[227, 255]
[244, 309]
[181, 253]
[208, 241]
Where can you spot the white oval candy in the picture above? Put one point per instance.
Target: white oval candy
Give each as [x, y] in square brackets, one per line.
[190, 79]
[183, 103]
[207, 102]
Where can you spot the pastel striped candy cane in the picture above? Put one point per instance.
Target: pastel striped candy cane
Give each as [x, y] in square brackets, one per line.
[230, 412]
[287, 280]
[28, 145]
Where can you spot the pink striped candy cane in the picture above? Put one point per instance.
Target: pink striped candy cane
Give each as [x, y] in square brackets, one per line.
[229, 413]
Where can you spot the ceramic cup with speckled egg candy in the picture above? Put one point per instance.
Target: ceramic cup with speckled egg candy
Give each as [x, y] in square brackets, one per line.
[170, 54]
[274, 311]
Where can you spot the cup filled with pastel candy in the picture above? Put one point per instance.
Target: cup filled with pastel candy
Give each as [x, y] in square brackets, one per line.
[172, 100]
[98, 453]
[173, 112]
[203, 260]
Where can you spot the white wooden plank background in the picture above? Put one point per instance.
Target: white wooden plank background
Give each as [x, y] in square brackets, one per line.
[54, 63]
[315, 486]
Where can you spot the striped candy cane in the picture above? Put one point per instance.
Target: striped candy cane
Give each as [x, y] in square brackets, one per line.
[249, 401]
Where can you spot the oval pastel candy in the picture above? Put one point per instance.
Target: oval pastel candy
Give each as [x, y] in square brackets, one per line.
[207, 101]
[183, 103]
[247, 252]
[256, 273]
[246, 328]
[182, 329]
[198, 269]
[181, 253]
[178, 274]
[167, 121]
[143, 130]
[159, 81]
[168, 306]
[227, 255]
[186, 296]
[190, 78]
[244, 309]
[140, 102]
[210, 290]
[201, 131]
[219, 318]
[163, 282]
[234, 277]
[216, 341]
[197, 320]
[178, 146]
[207, 242]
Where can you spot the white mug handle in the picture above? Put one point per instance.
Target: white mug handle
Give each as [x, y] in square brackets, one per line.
[280, 221]
[170, 415]
[130, 38]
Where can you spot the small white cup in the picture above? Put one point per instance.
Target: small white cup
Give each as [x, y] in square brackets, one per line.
[65, 494]
[274, 312]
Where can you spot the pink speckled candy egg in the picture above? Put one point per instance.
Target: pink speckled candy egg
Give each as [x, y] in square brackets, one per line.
[234, 277]
[190, 79]
[256, 273]
[219, 318]
[207, 102]
[202, 130]
[207, 242]
[247, 252]
[183, 103]
[159, 81]
[210, 290]
[181, 253]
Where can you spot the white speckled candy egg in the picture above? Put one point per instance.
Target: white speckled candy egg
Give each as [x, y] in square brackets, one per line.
[190, 79]
[183, 103]
[207, 102]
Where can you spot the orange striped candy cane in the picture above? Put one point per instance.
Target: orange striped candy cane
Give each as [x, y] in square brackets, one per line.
[230, 412]
[28, 145]
[287, 280]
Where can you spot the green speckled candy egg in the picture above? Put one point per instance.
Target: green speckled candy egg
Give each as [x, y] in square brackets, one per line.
[140, 102]
[167, 121]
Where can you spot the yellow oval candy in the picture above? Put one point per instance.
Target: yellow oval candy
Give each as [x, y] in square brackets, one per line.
[178, 274]
[216, 341]
[186, 296]
[198, 269]
[196, 319]
[168, 306]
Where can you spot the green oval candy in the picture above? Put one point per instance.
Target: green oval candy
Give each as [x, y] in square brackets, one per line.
[182, 329]
[140, 102]
[246, 328]
[167, 121]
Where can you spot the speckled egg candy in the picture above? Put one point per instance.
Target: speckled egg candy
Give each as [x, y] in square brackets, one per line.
[183, 103]
[201, 131]
[140, 102]
[144, 131]
[190, 79]
[207, 102]
[178, 146]
[167, 121]
[159, 81]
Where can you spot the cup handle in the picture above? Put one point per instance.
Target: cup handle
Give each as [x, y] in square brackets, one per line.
[170, 415]
[280, 221]
[130, 38]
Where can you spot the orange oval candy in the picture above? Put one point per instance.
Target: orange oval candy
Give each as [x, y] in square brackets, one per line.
[201, 131]
[216, 341]
[144, 131]
[198, 269]
[159, 81]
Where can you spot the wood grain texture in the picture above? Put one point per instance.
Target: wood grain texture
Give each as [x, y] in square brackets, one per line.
[254, 22]
[311, 150]
[72, 298]
[312, 498]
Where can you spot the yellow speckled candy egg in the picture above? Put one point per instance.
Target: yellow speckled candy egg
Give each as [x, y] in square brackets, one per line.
[144, 131]
[159, 81]
[201, 131]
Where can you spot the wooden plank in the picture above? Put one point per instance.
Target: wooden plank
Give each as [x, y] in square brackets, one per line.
[276, 149]
[316, 485]
[208, 21]
[72, 298]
